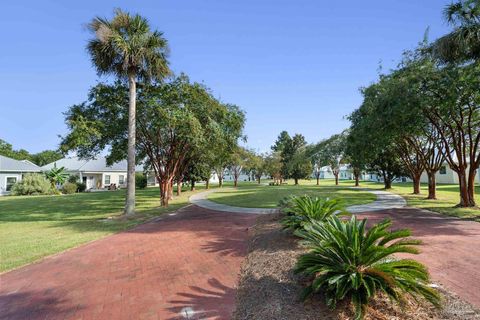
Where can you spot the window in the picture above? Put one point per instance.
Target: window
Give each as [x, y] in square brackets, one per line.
[121, 179]
[107, 179]
[10, 182]
[443, 170]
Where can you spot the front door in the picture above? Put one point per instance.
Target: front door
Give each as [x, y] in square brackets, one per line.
[90, 182]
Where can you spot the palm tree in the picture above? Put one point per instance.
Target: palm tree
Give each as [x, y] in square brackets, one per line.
[463, 43]
[126, 48]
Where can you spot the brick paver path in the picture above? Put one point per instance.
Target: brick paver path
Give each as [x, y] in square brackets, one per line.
[181, 267]
[451, 248]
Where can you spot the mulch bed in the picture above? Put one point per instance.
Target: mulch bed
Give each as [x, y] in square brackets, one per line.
[268, 288]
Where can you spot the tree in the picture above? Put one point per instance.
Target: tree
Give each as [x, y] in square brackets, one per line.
[126, 48]
[238, 160]
[331, 152]
[450, 102]
[463, 43]
[299, 166]
[273, 167]
[255, 165]
[288, 148]
[56, 176]
[47, 156]
[177, 121]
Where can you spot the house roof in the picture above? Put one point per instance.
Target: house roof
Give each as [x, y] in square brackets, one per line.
[12, 165]
[93, 165]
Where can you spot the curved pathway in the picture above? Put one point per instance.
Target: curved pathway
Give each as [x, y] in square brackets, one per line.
[385, 200]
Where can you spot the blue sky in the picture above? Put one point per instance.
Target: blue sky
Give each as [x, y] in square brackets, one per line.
[291, 65]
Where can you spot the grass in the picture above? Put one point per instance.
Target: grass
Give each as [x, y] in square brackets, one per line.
[252, 195]
[32, 227]
[447, 198]
[261, 196]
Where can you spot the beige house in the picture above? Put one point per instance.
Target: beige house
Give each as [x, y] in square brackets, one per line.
[95, 173]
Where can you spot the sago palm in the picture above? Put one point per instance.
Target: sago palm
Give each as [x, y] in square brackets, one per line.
[463, 43]
[349, 261]
[127, 48]
[302, 210]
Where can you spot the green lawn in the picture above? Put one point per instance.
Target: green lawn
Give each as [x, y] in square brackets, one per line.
[447, 198]
[261, 196]
[36, 226]
[252, 195]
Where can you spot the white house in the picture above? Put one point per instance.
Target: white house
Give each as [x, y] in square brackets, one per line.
[95, 173]
[445, 176]
[12, 171]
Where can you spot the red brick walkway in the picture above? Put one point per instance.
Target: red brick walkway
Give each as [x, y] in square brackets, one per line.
[451, 248]
[182, 267]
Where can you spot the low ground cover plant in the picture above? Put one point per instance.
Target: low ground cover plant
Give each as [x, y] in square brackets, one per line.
[348, 261]
[302, 210]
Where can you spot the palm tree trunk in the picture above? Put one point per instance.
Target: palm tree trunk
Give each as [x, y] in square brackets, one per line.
[130, 200]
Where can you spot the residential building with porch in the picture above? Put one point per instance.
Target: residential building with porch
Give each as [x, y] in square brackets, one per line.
[95, 173]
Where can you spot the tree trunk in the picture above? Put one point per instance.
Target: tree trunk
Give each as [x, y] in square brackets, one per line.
[357, 180]
[220, 182]
[432, 185]
[170, 190]
[259, 179]
[464, 196]
[416, 184]
[207, 184]
[164, 192]
[336, 178]
[471, 187]
[192, 187]
[387, 182]
[296, 181]
[130, 199]
[235, 182]
[318, 180]
[179, 187]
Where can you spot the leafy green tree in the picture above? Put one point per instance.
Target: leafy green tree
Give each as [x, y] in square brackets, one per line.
[463, 43]
[47, 156]
[238, 161]
[331, 152]
[273, 167]
[292, 154]
[299, 166]
[127, 48]
[349, 261]
[7, 150]
[177, 121]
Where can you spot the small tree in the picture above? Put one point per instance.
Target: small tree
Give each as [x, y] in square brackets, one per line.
[56, 176]
[32, 184]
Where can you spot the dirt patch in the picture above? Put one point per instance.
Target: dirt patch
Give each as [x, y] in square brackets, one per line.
[268, 288]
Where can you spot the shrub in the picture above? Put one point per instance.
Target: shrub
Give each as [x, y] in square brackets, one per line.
[302, 210]
[73, 178]
[69, 188]
[349, 261]
[32, 184]
[140, 180]
[81, 187]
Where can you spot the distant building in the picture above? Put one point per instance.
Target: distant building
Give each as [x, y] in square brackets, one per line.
[95, 173]
[12, 171]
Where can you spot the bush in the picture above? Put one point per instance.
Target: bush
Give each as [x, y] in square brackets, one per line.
[140, 180]
[69, 188]
[348, 261]
[81, 187]
[73, 178]
[302, 210]
[32, 184]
